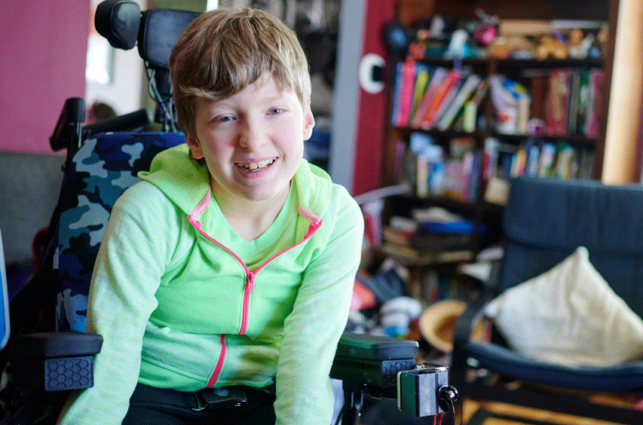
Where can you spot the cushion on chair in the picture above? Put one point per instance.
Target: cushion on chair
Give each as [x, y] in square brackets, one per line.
[102, 169]
[570, 316]
[547, 219]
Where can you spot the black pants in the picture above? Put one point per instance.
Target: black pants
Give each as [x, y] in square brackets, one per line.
[157, 406]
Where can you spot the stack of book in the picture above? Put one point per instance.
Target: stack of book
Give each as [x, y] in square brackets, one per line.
[429, 97]
[431, 236]
[431, 172]
[573, 103]
[537, 158]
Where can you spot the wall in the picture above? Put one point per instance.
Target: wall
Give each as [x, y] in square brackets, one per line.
[359, 117]
[42, 63]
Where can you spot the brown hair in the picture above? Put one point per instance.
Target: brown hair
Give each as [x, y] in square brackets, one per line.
[223, 51]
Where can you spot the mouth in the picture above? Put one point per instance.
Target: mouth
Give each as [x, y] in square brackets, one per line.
[255, 166]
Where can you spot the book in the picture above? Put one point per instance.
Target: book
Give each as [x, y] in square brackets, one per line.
[546, 161]
[490, 158]
[422, 182]
[533, 155]
[412, 257]
[422, 75]
[406, 93]
[467, 121]
[448, 99]
[583, 102]
[595, 102]
[565, 159]
[397, 93]
[574, 98]
[471, 83]
[425, 241]
[436, 79]
[427, 121]
[557, 105]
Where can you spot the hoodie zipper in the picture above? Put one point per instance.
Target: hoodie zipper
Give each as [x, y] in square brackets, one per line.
[315, 224]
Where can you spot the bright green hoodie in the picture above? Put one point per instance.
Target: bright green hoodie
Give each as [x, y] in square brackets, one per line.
[184, 303]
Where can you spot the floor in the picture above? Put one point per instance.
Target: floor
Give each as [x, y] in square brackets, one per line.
[470, 408]
[385, 412]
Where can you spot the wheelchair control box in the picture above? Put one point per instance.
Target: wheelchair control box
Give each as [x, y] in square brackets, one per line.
[418, 390]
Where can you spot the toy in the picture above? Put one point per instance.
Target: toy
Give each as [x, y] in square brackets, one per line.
[486, 30]
[578, 45]
[458, 47]
[551, 46]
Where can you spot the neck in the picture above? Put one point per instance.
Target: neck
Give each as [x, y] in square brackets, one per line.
[249, 219]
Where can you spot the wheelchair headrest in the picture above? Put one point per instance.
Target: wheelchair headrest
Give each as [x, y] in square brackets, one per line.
[156, 30]
[118, 21]
[160, 29]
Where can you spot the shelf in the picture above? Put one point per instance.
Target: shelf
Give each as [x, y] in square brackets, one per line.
[409, 257]
[516, 63]
[576, 139]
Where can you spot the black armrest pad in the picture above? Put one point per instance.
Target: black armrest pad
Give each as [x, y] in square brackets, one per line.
[372, 347]
[56, 344]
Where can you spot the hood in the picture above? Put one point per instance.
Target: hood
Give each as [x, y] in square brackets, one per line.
[186, 183]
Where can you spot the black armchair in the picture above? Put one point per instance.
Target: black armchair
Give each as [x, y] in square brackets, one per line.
[544, 222]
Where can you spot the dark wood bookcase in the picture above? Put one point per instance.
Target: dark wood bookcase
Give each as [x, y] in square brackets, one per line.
[410, 12]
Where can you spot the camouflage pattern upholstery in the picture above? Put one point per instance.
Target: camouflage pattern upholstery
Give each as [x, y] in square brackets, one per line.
[98, 174]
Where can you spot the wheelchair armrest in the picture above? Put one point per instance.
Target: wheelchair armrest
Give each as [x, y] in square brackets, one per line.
[126, 122]
[54, 361]
[56, 344]
[372, 360]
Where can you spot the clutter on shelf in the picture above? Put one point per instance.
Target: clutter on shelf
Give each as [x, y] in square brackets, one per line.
[493, 37]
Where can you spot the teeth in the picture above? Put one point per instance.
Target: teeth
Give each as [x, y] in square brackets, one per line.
[252, 166]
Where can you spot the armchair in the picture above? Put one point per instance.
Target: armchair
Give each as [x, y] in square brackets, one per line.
[545, 220]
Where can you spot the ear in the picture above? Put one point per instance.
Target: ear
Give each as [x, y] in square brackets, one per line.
[309, 121]
[195, 146]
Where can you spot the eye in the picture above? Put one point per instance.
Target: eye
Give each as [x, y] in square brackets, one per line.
[224, 118]
[276, 111]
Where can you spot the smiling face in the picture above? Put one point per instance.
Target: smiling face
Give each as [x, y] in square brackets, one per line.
[252, 141]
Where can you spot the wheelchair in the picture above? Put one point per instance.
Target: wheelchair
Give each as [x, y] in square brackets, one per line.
[48, 353]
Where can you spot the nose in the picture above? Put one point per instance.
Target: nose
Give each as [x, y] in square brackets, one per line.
[252, 134]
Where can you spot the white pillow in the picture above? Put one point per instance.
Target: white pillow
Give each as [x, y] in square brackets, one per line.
[570, 316]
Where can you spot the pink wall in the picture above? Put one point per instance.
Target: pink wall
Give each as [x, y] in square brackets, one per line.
[42, 63]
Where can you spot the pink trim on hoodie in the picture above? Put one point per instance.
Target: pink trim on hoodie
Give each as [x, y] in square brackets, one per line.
[219, 366]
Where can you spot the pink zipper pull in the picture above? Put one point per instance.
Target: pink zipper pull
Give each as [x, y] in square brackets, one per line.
[250, 282]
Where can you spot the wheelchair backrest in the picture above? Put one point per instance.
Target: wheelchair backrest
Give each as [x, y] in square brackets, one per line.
[102, 169]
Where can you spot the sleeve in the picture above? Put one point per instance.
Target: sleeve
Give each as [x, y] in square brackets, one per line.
[127, 273]
[313, 329]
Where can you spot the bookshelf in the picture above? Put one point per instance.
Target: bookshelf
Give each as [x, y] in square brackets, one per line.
[577, 150]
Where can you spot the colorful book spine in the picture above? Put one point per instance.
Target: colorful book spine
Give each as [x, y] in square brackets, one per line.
[434, 83]
[468, 87]
[557, 106]
[406, 95]
[422, 75]
[574, 98]
[595, 102]
[449, 82]
[583, 103]
[397, 93]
